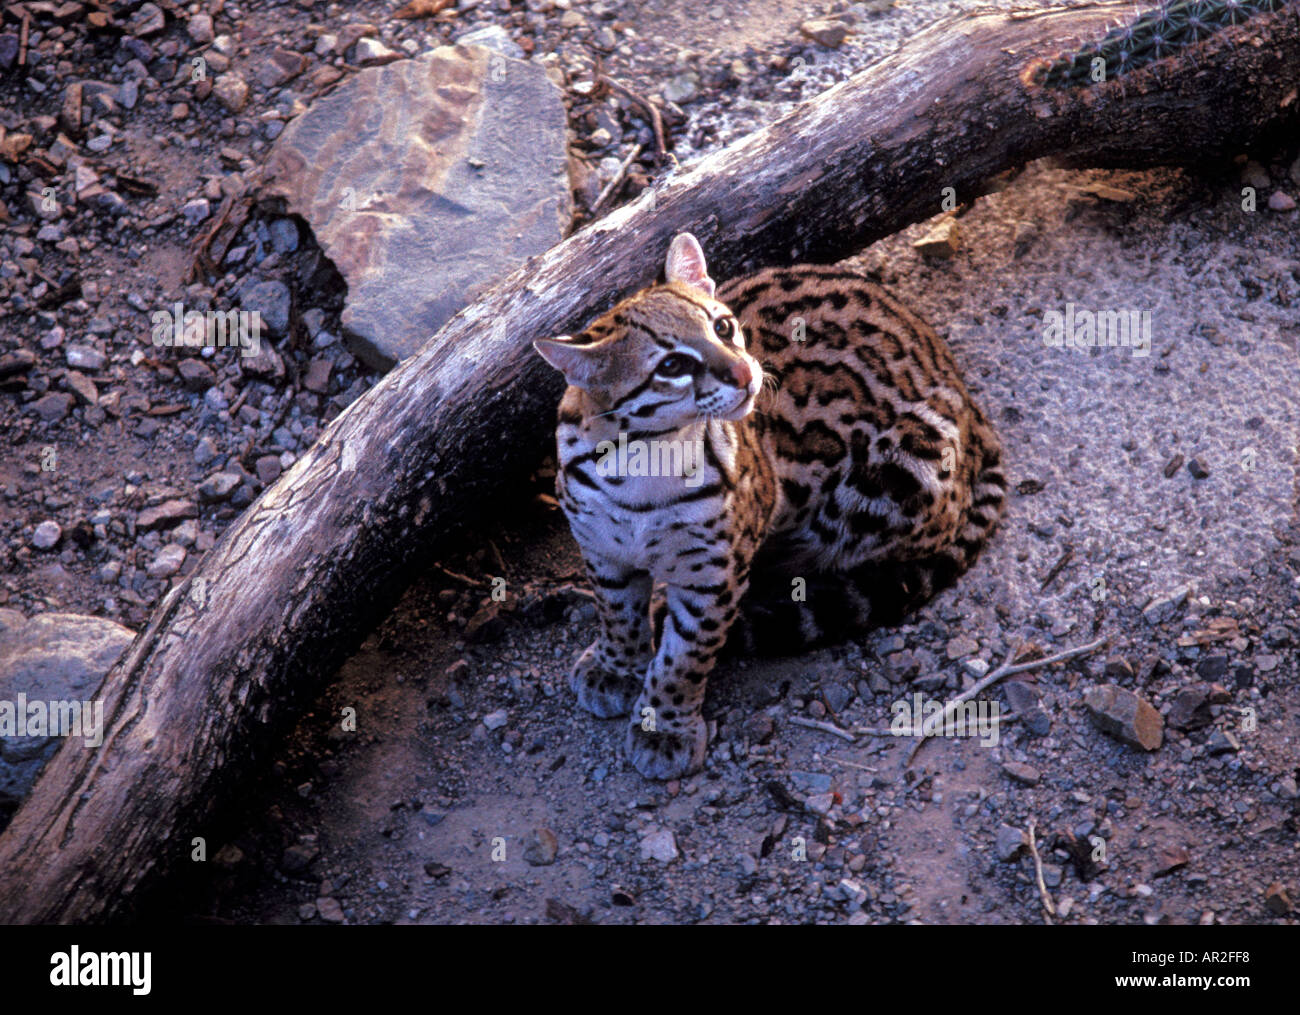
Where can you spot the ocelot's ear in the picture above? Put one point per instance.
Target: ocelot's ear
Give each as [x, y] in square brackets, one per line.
[580, 363]
[686, 264]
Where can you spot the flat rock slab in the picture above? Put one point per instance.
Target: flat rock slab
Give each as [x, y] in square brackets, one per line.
[53, 657]
[426, 181]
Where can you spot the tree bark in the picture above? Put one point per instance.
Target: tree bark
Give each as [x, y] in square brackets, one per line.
[292, 587]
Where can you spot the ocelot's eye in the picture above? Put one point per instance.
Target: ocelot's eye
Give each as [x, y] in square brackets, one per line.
[724, 328]
[676, 365]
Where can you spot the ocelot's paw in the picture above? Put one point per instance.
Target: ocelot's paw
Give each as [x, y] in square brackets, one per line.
[668, 754]
[599, 691]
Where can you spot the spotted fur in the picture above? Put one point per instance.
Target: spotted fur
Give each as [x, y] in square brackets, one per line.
[1149, 37]
[844, 476]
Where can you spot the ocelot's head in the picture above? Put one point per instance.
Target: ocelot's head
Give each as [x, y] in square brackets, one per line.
[667, 357]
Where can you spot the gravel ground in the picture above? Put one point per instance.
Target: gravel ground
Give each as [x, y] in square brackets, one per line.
[1156, 505]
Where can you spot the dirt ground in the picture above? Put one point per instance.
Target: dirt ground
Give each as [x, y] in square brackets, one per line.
[402, 818]
[473, 791]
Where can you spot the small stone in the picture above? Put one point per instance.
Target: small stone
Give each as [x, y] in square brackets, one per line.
[1024, 702]
[17, 362]
[837, 695]
[944, 240]
[148, 20]
[196, 211]
[1190, 709]
[318, 376]
[1162, 608]
[70, 112]
[167, 562]
[271, 301]
[83, 357]
[962, 646]
[1173, 465]
[492, 37]
[284, 236]
[541, 848]
[811, 782]
[205, 451]
[825, 32]
[166, 515]
[1213, 667]
[53, 407]
[219, 486]
[373, 53]
[1021, 772]
[1010, 843]
[1255, 175]
[1198, 469]
[1169, 859]
[228, 857]
[329, 909]
[1222, 742]
[195, 374]
[1119, 668]
[486, 626]
[281, 66]
[758, 729]
[232, 92]
[820, 803]
[495, 720]
[268, 469]
[1281, 201]
[660, 845]
[47, 535]
[83, 387]
[267, 364]
[199, 28]
[297, 858]
[1125, 716]
[1276, 899]
[681, 88]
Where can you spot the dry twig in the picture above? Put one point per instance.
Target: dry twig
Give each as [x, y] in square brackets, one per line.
[825, 727]
[652, 111]
[616, 182]
[1049, 910]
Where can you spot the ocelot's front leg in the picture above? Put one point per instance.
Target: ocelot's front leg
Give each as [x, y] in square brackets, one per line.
[608, 675]
[667, 737]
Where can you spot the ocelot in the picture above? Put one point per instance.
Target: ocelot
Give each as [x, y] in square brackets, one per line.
[831, 473]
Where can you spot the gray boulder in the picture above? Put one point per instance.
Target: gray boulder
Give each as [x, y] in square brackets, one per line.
[51, 657]
[426, 181]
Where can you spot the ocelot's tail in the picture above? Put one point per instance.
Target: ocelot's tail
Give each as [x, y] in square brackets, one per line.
[780, 616]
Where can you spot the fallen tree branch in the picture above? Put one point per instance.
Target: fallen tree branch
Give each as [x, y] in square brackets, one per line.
[292, 587]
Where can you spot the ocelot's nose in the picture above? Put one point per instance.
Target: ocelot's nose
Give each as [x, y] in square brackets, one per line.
[742, 373]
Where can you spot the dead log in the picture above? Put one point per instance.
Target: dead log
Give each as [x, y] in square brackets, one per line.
[292, 587]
